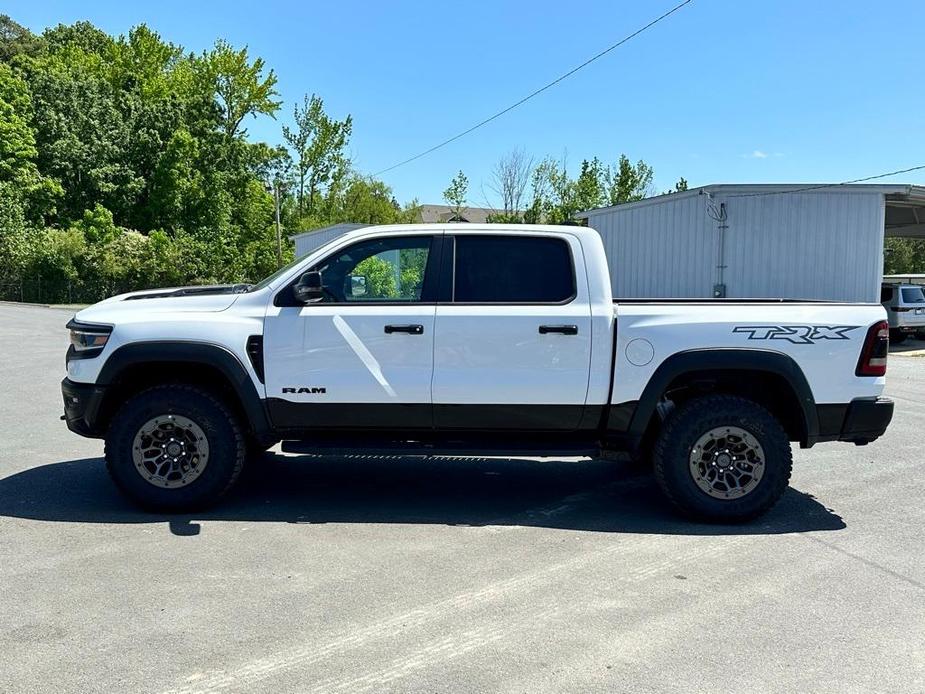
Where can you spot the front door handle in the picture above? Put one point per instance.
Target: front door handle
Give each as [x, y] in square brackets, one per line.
[410, 329]
[564, 329]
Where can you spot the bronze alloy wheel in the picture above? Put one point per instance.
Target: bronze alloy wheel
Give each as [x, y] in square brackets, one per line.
[727, 462]
[170, 451]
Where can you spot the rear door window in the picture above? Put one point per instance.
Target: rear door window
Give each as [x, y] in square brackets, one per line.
[913, 295]
[886, 294]
[513, 270]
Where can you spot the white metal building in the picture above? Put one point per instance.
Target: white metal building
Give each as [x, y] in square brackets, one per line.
[793, 241]
[307, 241]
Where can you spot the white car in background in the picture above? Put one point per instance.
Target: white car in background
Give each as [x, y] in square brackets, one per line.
[905, 307]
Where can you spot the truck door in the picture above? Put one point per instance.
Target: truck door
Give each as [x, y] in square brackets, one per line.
[362, 357]
[513, 333]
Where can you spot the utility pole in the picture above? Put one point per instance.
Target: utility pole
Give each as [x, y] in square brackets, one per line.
[279, 237]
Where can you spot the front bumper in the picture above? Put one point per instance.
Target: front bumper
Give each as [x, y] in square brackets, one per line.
[82, 402]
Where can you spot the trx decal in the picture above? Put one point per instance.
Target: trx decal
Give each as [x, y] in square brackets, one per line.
[796, 334]
[307, 390]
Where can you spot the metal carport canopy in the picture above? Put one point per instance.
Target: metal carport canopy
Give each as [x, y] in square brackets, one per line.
[905, 212]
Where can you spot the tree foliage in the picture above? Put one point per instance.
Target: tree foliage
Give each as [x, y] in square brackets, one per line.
[126, 151]
[319, 142]
[239, 85]
[16, 40]
[380, 278]
[557, 197]
[904, 256]
[455, 195]
[125, 163]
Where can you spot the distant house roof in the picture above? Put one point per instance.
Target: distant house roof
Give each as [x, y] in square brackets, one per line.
[430, 214]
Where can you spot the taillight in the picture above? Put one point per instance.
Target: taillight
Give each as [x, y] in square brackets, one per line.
[873, 354]
[900, 309]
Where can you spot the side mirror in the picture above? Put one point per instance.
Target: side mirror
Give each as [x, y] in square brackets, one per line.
[309, 288]
[357, 285]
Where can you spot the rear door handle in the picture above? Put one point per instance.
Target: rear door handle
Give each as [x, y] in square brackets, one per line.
[410, 329]
[564, 329]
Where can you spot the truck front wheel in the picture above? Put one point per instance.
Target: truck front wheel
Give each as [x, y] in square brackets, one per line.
[723, 458]
[174, 448]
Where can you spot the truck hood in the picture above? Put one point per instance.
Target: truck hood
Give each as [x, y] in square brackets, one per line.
[170, 300]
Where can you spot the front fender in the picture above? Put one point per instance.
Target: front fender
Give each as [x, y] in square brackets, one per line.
[212, 355]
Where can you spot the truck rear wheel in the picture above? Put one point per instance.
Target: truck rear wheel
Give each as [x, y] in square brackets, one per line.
[174, 448]
[723, 458]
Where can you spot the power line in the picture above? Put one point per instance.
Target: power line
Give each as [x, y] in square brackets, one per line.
[538, 91]
[827, 185]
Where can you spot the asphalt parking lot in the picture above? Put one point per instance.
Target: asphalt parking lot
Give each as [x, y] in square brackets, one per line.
[439, 575]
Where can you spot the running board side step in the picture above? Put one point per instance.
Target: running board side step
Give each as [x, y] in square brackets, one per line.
[419, 448]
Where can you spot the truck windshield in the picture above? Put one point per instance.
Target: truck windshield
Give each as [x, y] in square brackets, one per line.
[913, 295]
[266, 281]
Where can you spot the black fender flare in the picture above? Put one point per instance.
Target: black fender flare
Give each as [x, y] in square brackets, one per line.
[216, 356]
[692, 361]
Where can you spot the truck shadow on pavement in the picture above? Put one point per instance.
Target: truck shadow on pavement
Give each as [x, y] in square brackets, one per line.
[590, 495]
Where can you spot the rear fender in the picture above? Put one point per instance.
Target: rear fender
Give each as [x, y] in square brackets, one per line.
[634, 418]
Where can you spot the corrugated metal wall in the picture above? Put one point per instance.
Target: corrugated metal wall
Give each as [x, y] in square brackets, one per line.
[814, 245]
[306, 243]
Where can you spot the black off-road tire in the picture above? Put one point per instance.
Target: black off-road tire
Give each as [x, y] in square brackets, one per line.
[226, 442]
[694, 419]
[897, 337]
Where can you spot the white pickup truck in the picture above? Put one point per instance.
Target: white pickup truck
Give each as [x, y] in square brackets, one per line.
[470, 340]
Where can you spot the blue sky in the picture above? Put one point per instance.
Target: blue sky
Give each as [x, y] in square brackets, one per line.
[724, 91]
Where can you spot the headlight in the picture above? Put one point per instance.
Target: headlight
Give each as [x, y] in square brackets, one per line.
[84, 340]
[87, 340]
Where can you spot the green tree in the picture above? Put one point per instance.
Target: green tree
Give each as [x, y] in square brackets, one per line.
[18, 150]
[903, 256]
[239, 85]
[319, 142]
[78, 40]
[15, 236]
[365, 200]
[590, 188]
[554, 193]
[270, 164]
[380, 277]
[98, 227]
[143, 63]
[628, 182]
[679, 187]
[16, 40]
[81, 136]
[412, 262]
[557, 197]
[455, 195]
[17, 141]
